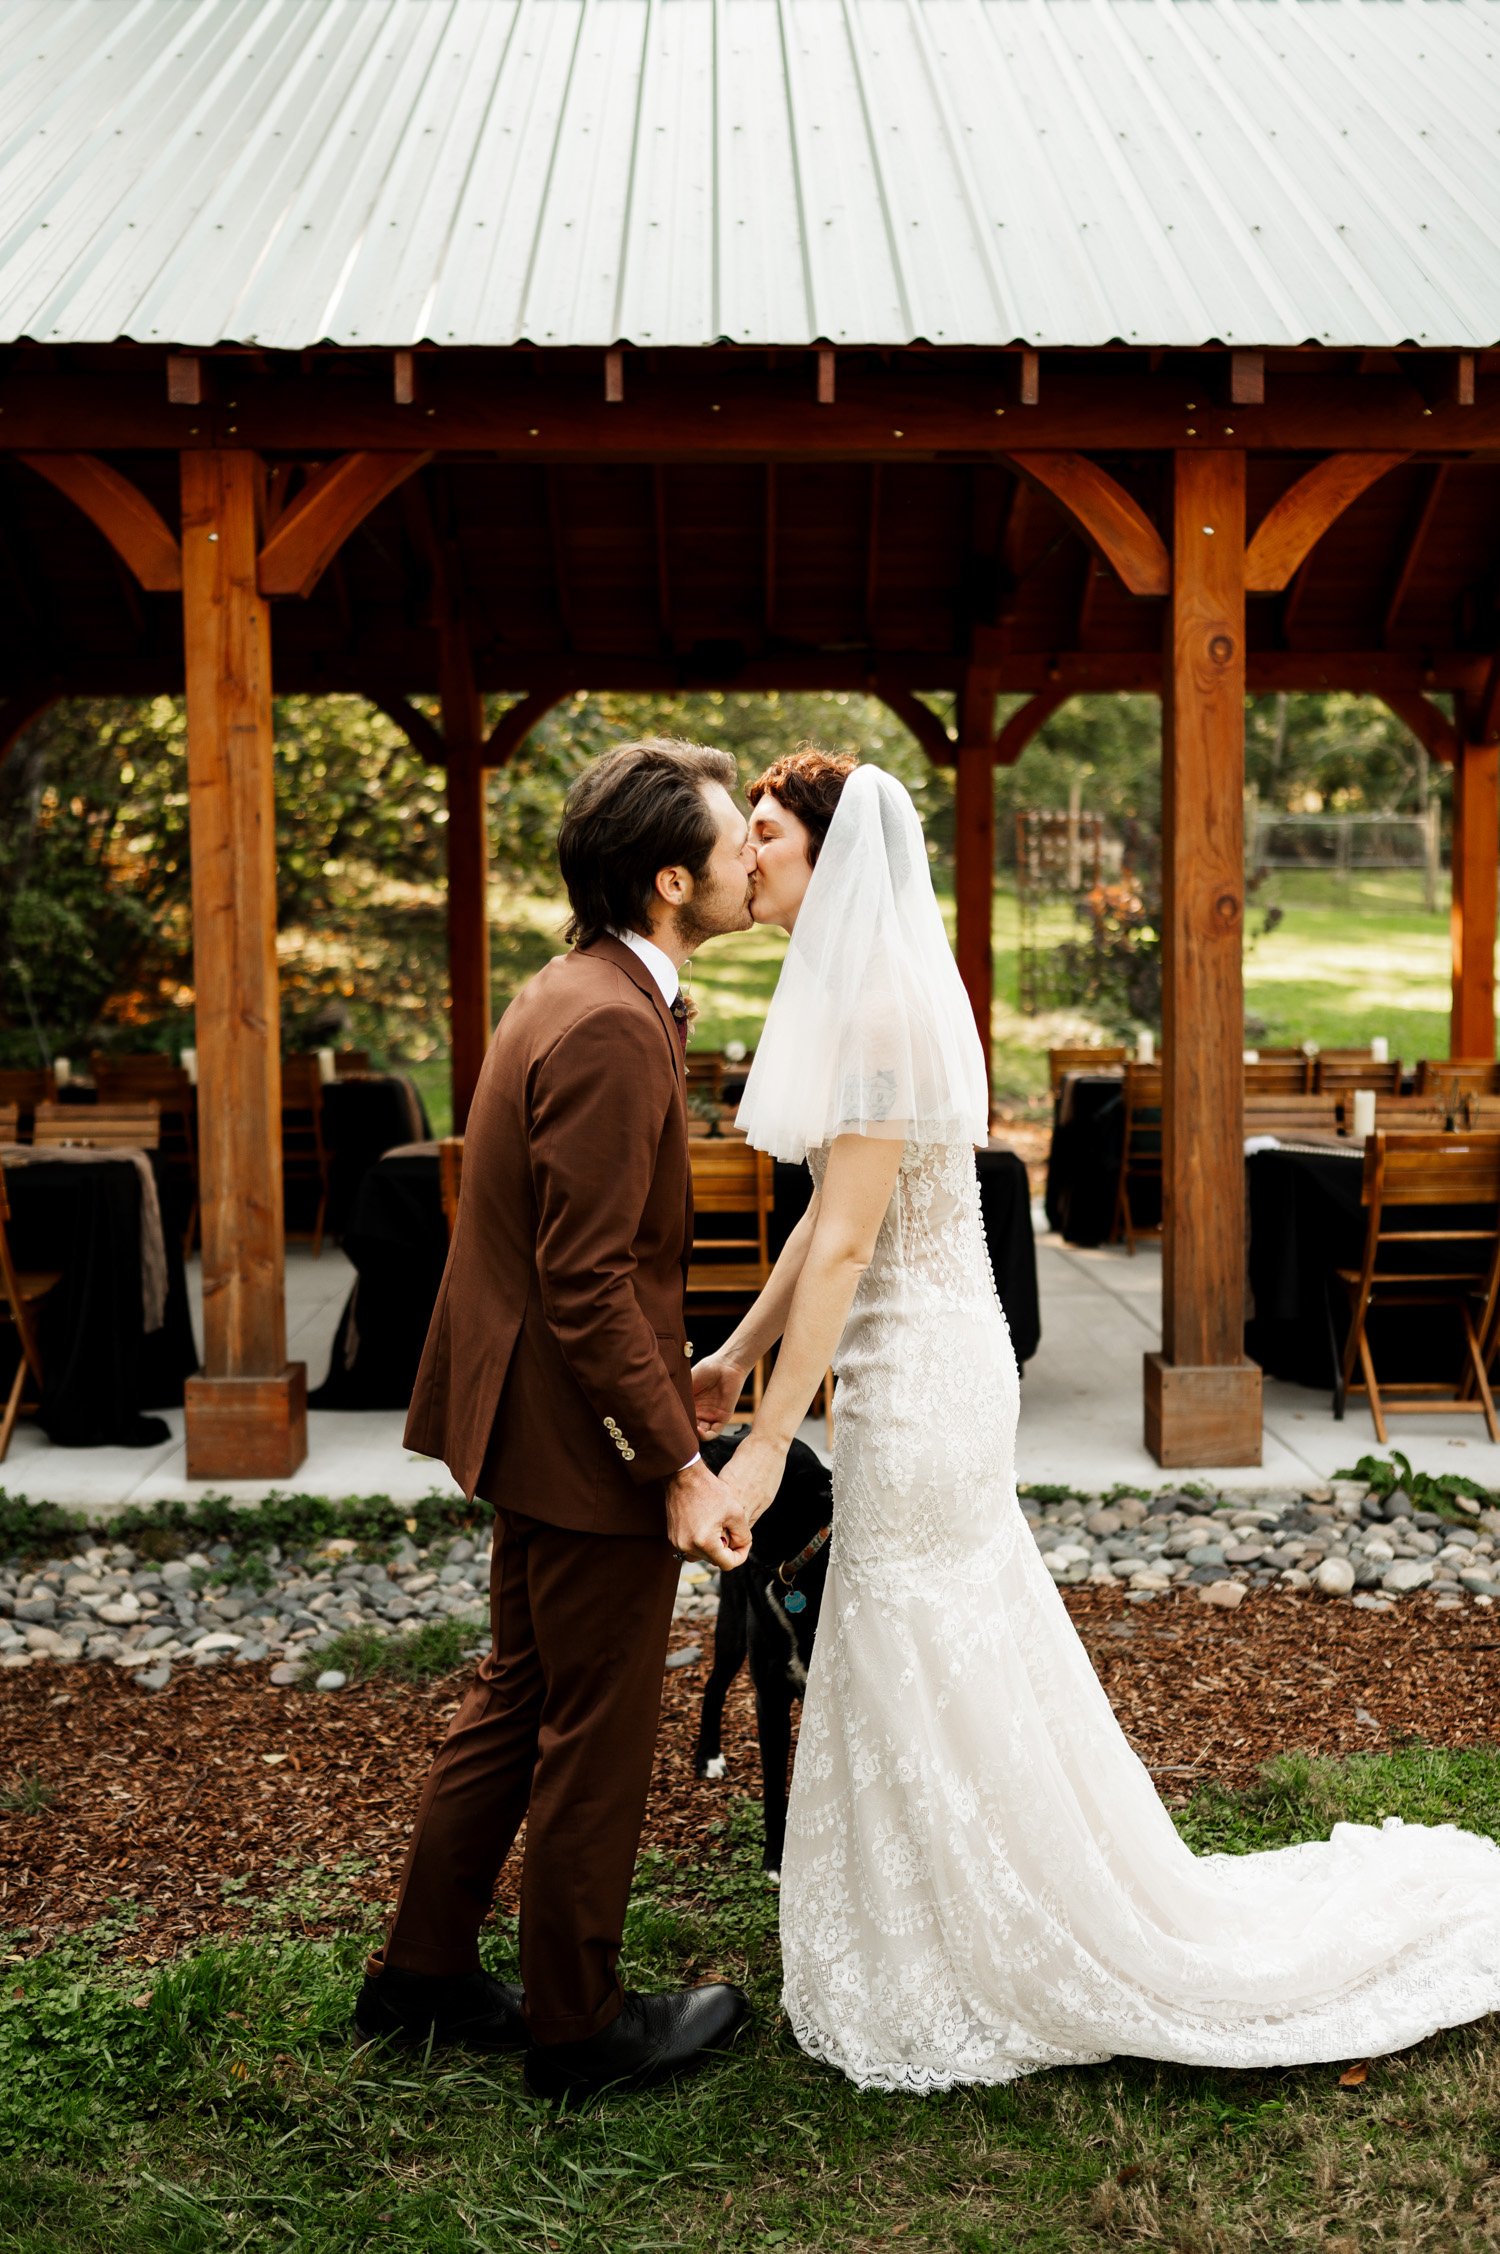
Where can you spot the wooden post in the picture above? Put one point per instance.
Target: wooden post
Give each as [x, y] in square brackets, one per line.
[468, 922]
[974, 879]
[1476, 852]
[1202, 1398]
[247, 1414]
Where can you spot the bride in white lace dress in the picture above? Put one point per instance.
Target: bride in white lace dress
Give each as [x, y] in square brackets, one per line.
[980, 1880]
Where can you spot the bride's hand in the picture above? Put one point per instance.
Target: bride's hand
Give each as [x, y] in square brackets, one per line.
[717, 1385]
[753, 1473]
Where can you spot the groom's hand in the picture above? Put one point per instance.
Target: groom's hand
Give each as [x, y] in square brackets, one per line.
[717, 1385]
[705, 1522]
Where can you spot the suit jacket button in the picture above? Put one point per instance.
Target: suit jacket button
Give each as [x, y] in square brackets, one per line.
[610, 1425]
[628, 1454]
[688, 1349]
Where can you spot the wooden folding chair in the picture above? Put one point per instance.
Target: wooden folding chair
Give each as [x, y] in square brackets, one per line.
[350, 1063]
[304, 1157]
[451, 1169]
[133, 1126]
[1436, 1171]
[1140, 1148]
[10, 1124]
[1339, 1069]
[731, 1182]
[1289, 1116]
[159, 1080]
[1437, 1077]
[1060, 1062]
[1279, 1076]
[705, 1073]
[23, 1088]
[19, 1293]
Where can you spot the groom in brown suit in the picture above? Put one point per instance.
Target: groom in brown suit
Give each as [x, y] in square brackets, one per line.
[555, 1384]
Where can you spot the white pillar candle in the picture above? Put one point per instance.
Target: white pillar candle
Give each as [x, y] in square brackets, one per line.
[1251, 1056]
[1309, 1048]
[1364, 1113]
[190, 1065]
[1145, 1048]
[1380, 1050]
[62, 1070]
[326, 1068]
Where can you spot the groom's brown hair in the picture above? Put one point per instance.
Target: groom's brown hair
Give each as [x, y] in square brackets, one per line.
[639, 809]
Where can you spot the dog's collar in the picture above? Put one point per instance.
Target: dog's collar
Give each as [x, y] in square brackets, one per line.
[787, 1573]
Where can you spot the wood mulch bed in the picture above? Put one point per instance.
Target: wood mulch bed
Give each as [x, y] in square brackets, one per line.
[160, 1799]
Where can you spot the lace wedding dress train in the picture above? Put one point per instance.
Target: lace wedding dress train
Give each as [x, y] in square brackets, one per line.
[980, 1880]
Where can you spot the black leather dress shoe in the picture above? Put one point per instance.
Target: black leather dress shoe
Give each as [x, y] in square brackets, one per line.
[464, 2008]
[653, 2038]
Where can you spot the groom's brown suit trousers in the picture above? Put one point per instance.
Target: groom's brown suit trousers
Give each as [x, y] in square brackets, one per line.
[555, 1383]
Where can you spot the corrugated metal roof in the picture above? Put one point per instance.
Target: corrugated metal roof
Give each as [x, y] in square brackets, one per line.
[671, 172]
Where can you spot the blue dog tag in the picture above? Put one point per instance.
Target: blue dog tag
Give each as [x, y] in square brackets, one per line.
[795, 1601]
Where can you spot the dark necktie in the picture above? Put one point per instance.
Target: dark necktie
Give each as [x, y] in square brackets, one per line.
[680, 1019]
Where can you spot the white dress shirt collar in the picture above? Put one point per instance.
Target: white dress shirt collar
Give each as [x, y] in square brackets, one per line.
[660, 965]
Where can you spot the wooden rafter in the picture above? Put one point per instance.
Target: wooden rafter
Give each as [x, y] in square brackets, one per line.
[137, 532]
[425, 736]
[1484, 719]
[663, 568]
[557, 547]
[1111, 518]
[1023, 724]
[920, 719]
[1430, 725]
[1294, 525]
[1411, 547]
[872, 551]
[975, 705]
[18, 712]
[768, 554]
[335, 500]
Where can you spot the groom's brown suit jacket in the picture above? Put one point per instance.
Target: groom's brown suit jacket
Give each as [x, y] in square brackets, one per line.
[555, 1380]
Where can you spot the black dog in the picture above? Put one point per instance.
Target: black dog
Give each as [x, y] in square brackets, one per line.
[754, 1620]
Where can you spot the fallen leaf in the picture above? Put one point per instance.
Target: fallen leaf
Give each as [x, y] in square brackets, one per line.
[1353, 2076]
[1129, 2173]
[142, 2003]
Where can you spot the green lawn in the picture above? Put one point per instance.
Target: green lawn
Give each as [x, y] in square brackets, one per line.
[215, 2104]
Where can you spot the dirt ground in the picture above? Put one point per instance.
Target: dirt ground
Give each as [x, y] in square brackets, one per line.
[161, 1799]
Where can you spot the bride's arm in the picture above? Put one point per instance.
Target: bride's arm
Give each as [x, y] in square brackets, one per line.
[857, 1186]
[720, 1377]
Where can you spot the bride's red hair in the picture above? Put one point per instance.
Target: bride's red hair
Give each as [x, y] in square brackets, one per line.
[808, 783]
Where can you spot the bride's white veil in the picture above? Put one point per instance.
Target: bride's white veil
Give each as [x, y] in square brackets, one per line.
[870, 1031]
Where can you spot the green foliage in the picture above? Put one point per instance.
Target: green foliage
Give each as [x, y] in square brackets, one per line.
[167, 1529]
[215, 2105]
[29, 1796]
[437, 1648]
[1428, 1490]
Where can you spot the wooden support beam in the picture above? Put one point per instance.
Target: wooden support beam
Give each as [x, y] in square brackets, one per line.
[663, 570]
[614, 377]
[140, 537]
[17, 714]
[185, 387]
[1427, 721]
[1294, 525]
[1111, 518]
[468, 868]
[975, 712]
[919, 719]
[1476, 864]
[1202, 1398]
[1463, 379]
[1029, 378]
[974, 881]
[768, 557]
[334, 502]
[1484, 714]
[247, 1413]
[516, 723]
[1418, 527]
[424, 736]
[826, 375]
[404, 379]
[1023, 724]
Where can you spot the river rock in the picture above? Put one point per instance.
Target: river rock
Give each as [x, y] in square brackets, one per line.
[1406, 1574]
[1225, 1595]
[331, 1679]
[1334, 1577]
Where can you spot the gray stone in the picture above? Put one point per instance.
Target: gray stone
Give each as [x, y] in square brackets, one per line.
[1364, 1602]
[1398, 1504]
[285, 1673]
[251, 1652]
[1243, 1553]
[689, 1656]
[1369, 1573]
[155, 1678]
[39, 1608]
[1406, 1574]
[331, 1679]
[1225, 1595]
[1479, 1584]
[1103, 1522]
[154, 1636]
[122, 1612]
[176, 1572]
[1206, 1553]
[1334, 1577]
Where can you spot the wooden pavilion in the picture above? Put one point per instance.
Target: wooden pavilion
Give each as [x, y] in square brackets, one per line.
[660, 451]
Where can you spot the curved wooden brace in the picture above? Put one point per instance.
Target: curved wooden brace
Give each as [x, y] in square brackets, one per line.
[335, 500]
[1112, 519]
[17, 714]
[425, 737]
[1292, 528]
[1024, 723]
[1431, 727]
[516, 723]
[922, 721]
[142, 539]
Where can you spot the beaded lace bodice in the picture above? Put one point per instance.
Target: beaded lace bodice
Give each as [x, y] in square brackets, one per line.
[980, 1879]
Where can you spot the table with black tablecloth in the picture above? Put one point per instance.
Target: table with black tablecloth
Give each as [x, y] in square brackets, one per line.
[364, 1116]
[1306, 1221]
[398, 1243]
[1083, 1164]
[101, 1369]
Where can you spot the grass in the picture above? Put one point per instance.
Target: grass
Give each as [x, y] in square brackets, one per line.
[215, 2104]
[30, 1795]
[436, 1648]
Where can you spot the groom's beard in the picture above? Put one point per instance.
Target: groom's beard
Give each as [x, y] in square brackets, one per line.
[710, 915]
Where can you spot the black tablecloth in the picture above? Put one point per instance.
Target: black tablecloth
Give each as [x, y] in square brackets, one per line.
[398, 1243]
[1083, 1165]
[100, 1368]
[362, 1120]
[1305, 1222]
